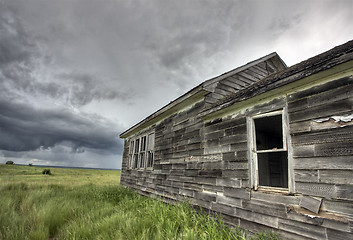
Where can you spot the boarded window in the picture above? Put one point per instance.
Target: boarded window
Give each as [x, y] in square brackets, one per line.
[269, 150]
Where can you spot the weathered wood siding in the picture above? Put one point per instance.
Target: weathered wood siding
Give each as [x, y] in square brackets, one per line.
[207, 163]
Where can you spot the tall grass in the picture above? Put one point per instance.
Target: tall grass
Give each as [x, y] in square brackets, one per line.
[46, 210]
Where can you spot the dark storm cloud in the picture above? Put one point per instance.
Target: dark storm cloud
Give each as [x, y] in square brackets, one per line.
[64, 62]
[22, 60]
[26, 128]
[38, 99]
[14, 43]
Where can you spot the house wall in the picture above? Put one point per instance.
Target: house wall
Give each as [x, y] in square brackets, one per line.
[208, 164]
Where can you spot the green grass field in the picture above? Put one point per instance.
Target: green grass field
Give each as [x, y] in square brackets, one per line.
[90, 204]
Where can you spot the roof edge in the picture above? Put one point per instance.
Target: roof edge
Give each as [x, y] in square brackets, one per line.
[311, 66]
[196, 92]
[242, 68]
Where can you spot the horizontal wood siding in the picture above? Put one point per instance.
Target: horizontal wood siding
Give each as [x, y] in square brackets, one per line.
[207, 164]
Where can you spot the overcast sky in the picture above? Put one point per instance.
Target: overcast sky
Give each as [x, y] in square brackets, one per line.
[74, 74]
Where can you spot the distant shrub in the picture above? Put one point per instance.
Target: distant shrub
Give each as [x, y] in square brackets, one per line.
[10, 162]
[30, 164]
[46, 172]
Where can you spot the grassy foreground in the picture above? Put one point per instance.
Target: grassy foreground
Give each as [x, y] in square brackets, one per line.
[90, 204]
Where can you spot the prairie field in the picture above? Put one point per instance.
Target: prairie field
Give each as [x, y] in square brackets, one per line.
[90, 204]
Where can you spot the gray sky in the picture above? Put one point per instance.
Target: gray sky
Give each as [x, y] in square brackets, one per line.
[74, 74]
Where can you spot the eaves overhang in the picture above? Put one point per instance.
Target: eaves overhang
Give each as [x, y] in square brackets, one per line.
[194, 95]
[331, 62]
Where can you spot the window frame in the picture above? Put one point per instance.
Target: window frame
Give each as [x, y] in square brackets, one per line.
[150, 150]
[138, 155]
[253, 152]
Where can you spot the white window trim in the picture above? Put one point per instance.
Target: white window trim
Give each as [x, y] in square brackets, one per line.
[254, 171]
[132, 153]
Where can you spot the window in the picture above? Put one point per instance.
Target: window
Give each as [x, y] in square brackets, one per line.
[269, 152]
[141, 152]
[131, 154]
[136, 153]
[150, 148]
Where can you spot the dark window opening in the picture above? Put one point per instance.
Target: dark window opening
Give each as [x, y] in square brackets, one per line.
[273, 169]
[150, 159]
[135, 163]
[269, 133]
[270, 151]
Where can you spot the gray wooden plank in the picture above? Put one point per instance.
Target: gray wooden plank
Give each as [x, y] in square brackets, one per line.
[257, 218]
[222, 208]
[338, 235]
[316, 189]
[342, 207]
[237, 193]
[230, 201]
[264, 207]
[310, 203]
[306, 175]
[342, 176]
[314, 163]
[302, 229]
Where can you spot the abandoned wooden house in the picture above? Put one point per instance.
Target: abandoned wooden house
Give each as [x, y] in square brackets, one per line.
[270, 147]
